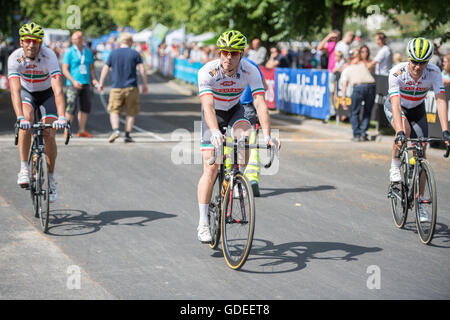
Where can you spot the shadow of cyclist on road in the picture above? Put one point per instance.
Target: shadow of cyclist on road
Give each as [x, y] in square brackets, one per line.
[266, 257]
[76, 222]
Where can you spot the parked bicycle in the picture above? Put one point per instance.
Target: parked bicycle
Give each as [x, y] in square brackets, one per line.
[39, 185]
[417, 190]
[232, 208]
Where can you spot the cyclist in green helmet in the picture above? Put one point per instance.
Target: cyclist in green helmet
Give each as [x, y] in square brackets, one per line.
[221, 83]
[409, 83]
[35, 81]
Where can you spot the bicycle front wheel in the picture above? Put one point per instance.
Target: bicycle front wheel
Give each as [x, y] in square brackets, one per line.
[32, 165]
[238, 222]
[425, 202]
[43, 191]
[214, 213]
[399, 195]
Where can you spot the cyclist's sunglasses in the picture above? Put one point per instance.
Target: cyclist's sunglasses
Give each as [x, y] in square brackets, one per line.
[31, 40]
[414, 62]
[225, 53]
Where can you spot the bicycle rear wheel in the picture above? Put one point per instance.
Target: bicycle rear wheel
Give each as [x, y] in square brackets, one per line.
[428, 201]
[43, 191]
[399, 195]
[238, 222]
[34, 198]
[214, 213]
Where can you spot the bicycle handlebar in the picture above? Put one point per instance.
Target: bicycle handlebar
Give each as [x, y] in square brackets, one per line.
[421, 140]
[241, 144]
[41, 126]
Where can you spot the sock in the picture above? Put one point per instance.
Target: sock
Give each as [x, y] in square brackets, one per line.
[51, 176]
[127, 134]
[24, 165]
[203, 208]
[395, 163]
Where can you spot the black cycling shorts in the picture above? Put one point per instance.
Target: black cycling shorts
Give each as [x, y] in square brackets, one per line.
[224, 119]
[44, 101]
[417, 118]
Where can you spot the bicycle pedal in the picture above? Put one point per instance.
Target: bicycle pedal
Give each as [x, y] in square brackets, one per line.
[25, 186]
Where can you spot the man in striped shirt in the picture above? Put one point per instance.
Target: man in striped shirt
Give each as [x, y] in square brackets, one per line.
[221, 83]
[35, 81]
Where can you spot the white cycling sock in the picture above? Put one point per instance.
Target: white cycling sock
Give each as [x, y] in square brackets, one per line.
[395, 163]
[24, 165]
[203, 208]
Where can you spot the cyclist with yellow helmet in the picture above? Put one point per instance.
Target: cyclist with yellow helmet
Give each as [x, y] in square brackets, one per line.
[409, 83]
[221, 83]
[35, 82]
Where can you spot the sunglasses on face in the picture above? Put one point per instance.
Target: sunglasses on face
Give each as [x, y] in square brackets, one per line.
[232, 53]
[29, 41]
[414, 62]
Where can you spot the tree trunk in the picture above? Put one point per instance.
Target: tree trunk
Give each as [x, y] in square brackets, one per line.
[338, 12]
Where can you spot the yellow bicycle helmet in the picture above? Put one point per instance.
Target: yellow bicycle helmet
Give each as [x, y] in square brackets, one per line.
[419, 49]
[232, 40]
[31, 30]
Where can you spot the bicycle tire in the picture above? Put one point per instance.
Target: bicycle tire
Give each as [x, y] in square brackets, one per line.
[236, 248]
[426, 229]
[399, 195]
[43, 191]
[214, 211]
[32, 186]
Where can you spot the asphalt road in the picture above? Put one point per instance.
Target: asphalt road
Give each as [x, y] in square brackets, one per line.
[124, 224]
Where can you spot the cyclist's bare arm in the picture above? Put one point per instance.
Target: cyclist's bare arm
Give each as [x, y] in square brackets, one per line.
[397, 114]
[59, 95]
[209, 112]
[14, 85]
[263, 113]
[441, 104]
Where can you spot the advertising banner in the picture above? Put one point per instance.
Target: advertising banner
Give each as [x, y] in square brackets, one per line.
[303, 91]
[269, 76]
[186, 71]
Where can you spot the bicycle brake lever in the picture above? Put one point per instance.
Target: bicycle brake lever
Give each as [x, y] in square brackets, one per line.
[447, 153]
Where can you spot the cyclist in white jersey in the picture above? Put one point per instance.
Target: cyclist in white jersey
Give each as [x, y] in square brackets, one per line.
[221, 83]
[409, 83]
[35, 82]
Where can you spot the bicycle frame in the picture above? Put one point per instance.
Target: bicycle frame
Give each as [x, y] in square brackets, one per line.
[419, 153]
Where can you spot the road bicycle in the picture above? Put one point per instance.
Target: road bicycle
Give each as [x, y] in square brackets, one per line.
[39, 185]
[231, 211]
[417, 187]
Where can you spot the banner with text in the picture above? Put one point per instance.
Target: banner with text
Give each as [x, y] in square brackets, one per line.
[269, 76]
[303, 91]
[186, 71]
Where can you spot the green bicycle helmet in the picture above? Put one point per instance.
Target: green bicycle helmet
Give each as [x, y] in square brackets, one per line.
[32, 30]
[419, 49]
[233, 40]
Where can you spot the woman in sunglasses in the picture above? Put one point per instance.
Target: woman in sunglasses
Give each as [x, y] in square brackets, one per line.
[35, 81]
[409, 83]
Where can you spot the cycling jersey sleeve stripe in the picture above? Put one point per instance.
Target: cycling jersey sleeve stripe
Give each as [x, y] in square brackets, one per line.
[257, 89]
[259, 92]
[13, 75]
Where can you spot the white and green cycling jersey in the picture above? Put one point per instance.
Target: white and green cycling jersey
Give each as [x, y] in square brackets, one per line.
[226, 90]
[35, 74]
[413, 93]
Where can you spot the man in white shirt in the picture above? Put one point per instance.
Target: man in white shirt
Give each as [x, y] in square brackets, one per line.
[383, 59]
[344, 45]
